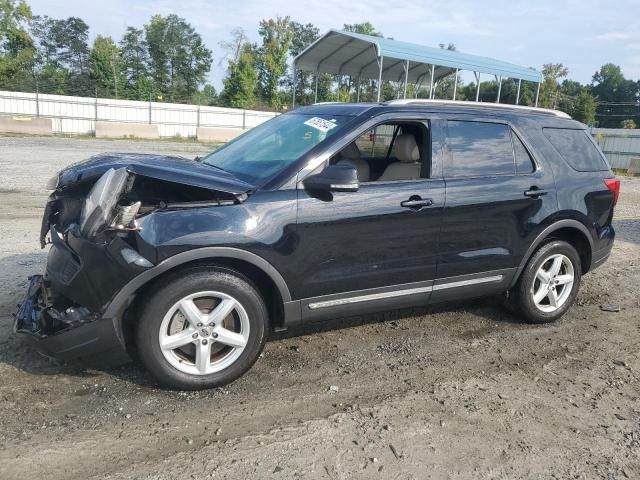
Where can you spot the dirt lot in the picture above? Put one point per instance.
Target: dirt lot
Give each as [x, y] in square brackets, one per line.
[457, 391]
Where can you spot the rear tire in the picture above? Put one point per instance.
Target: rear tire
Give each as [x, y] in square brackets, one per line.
[203, 329]
[549, 283]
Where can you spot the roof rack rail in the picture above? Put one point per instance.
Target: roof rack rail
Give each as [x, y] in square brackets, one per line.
[504, 106]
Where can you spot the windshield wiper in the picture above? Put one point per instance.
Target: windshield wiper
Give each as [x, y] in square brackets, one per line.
[214, 166]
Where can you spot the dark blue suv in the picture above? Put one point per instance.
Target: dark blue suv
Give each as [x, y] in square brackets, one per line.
[327, 211]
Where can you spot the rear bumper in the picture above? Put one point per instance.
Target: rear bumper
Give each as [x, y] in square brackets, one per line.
[606, 237]
[599, 257]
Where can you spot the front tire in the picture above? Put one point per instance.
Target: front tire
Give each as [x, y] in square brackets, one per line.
[549, 283]
[203, 329]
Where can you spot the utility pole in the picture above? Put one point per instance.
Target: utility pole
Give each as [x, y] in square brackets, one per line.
[115, 79]
[37, 98]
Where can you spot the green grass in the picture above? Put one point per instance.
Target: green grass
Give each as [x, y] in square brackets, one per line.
[624, 172]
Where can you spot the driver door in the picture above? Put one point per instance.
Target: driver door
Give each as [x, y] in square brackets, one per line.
[373, 249]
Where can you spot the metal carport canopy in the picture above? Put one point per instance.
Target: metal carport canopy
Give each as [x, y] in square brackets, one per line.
[358, 55]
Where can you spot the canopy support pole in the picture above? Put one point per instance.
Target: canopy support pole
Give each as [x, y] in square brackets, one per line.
[499, 89]
[315, 100]
[537, 94]
[518, 92]
[406, 78]
[477, 75]
[455, 85]
[358, 91]
[380, 62]
[293, 100]
[433, 67]
[420, 79]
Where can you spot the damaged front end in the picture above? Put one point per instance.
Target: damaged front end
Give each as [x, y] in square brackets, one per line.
[91, 223]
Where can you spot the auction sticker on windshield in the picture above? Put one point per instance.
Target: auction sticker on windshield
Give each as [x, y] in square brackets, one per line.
[320, 124]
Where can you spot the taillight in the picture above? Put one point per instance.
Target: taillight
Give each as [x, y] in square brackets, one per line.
[613, 184]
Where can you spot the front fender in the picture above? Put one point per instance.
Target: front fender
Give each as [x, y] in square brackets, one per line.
[121, 300]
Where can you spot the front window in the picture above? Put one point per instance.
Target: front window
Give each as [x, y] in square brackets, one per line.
[274, 145]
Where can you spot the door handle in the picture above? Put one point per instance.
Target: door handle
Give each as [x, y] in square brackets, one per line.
[535, 192]
[416, 203]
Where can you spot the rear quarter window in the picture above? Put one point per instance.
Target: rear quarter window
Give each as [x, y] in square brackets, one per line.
[577, 149]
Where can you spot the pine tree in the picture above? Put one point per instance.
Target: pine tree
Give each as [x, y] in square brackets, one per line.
[241, 81]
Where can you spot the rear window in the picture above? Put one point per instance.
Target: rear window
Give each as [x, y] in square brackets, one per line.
[479, 149]
[577, 149]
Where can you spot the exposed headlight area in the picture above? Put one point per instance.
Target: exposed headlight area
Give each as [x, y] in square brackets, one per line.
[125, 218]
[52, 183]
[99, 208]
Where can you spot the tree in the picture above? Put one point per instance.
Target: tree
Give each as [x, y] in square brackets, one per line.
[549, 90]
[628, 124]
[64, 40]
[365, 28]
[444, 88]
[135, 58]
[241, 81]
[272, 57]
[233, 47]
[206, 96]
[63, 45]
[368, 88]
[488, 91]
[609, 83]
[577, 100]
[106, 67]
[17, 52]
[14, 18]
[584, 109]
[617, 96]
[178, 59]
[303, 35]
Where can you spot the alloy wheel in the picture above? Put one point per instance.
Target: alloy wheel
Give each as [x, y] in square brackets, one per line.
[204, 332]
[553, 283]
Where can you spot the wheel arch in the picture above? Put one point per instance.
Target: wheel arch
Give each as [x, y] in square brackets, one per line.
[571, 231]
[264, 275]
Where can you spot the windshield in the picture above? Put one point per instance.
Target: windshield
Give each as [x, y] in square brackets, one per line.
[274, 145]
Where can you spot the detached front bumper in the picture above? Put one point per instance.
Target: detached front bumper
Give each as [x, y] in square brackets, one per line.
[80, 333]
[63, 310]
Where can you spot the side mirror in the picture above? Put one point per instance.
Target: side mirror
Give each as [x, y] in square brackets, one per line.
[334, 178]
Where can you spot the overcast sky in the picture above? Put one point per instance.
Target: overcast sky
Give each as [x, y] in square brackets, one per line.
[582, 34]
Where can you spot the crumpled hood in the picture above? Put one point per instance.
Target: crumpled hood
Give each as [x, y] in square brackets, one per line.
[162, 167]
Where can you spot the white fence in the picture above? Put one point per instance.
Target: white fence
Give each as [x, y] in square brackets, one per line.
[78, 115]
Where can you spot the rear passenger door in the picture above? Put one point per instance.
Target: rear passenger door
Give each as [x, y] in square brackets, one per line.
[496, 194]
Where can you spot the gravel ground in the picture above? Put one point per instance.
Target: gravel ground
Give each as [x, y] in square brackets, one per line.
[457, 391]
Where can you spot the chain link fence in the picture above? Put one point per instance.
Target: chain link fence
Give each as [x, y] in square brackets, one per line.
[78, 115]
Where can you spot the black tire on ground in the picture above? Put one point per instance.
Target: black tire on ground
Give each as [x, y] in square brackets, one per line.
[521, 298]
[175, 288]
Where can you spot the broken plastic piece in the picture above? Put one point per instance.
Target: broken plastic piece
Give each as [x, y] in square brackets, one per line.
[610, 308]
